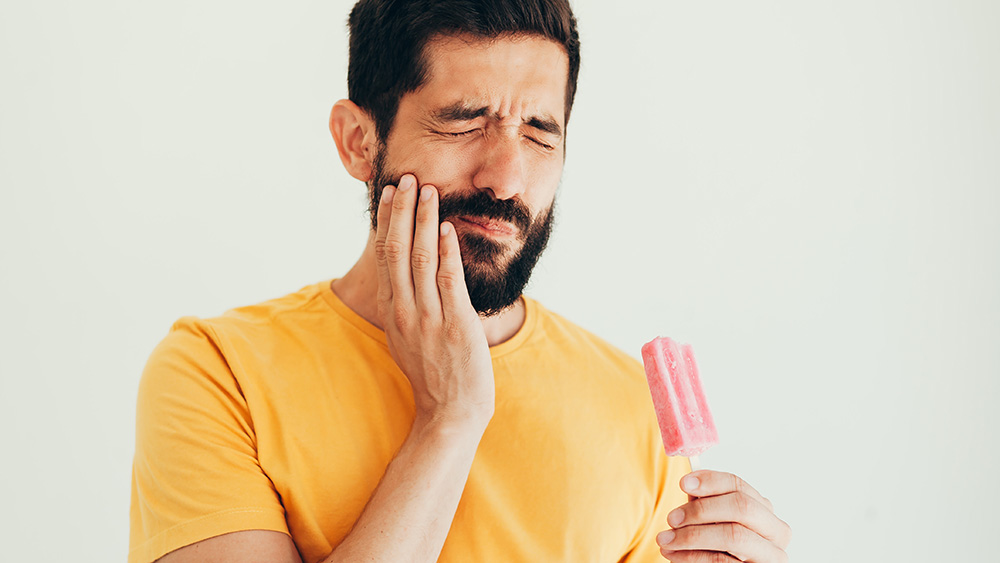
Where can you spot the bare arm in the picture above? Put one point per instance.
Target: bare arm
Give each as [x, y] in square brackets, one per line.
[438, 341]
[250, 546]
[406, 519]
[410, 513]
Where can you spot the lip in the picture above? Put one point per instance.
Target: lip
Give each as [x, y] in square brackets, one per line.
[491, 227]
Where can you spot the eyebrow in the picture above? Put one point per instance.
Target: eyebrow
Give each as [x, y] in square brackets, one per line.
[461, 112]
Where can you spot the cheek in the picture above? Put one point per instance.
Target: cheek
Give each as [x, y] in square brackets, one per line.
[439, 165]
[544, 177]
[548, 170]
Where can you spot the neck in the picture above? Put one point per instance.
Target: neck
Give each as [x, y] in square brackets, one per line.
[358, 290]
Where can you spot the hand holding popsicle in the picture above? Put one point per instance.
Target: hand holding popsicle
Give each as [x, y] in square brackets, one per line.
[726, 519]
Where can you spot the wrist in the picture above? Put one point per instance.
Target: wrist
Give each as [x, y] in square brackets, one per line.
[452, 424]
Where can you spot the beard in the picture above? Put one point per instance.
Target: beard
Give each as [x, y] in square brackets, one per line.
[495, 279]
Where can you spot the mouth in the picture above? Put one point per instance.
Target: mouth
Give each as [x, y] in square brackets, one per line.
[490, 227]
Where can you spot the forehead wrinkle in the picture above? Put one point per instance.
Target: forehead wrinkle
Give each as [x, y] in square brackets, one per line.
[452, 57]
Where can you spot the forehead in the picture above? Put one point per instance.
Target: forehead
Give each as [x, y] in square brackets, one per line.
[512, 75]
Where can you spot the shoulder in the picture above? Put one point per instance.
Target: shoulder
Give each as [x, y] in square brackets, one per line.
[210, 348]
[257, 322]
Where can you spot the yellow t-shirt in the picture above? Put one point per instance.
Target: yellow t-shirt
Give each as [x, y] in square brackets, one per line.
[284, 415]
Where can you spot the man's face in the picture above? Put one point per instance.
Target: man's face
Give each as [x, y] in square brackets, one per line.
[486, 129]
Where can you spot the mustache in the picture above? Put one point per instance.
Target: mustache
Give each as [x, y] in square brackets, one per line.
[481, 204]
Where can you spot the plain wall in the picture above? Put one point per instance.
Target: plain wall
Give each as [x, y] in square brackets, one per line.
[808, 192]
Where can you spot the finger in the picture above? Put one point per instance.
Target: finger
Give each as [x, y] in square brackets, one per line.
[383, 215]
[704, 483]
[737, 508]
[424, 257]
[697, 556]
[451, 274]
[399, 242]
[734, 539]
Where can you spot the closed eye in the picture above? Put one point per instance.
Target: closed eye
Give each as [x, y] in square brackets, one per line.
[459, 134]
[545, 146]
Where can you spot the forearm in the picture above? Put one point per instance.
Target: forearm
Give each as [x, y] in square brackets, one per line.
[409, 514]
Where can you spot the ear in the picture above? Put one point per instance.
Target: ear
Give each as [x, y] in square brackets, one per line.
[354, 132]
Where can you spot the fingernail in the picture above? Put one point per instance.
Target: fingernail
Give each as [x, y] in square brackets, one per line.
[665, 537]
[387, 194]
[690, 483]
[676, 517]
[425, 193]
[405, 183]
[445, 228]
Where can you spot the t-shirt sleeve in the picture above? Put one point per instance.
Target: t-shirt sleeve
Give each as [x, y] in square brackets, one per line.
[195, 474]
[669, 496]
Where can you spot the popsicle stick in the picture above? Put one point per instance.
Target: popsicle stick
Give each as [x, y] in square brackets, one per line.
[695, 462]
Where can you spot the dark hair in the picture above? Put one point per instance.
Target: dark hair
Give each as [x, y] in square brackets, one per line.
[388, 39]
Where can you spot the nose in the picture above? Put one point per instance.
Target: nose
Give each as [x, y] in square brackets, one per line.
[502, 169]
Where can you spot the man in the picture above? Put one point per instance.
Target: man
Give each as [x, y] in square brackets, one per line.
[419, 408]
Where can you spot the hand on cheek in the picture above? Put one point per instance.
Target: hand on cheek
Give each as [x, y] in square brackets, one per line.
[433, 332]
[725, 520]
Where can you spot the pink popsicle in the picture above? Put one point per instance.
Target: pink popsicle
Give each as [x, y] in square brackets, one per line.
[686, 424]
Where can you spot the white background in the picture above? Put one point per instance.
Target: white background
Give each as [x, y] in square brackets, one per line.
[808, 192]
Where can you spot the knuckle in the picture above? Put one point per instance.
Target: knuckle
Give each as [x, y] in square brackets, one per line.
[421, 259]
[719, 557]
[739, 485]
[735, 534]
[449, 281]
[444, 249]
[694, 511]
[427, 321]
[453, 331]
[392, 250]
[691, 535]
[399, 203]
[742, 503]
[400, 316]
